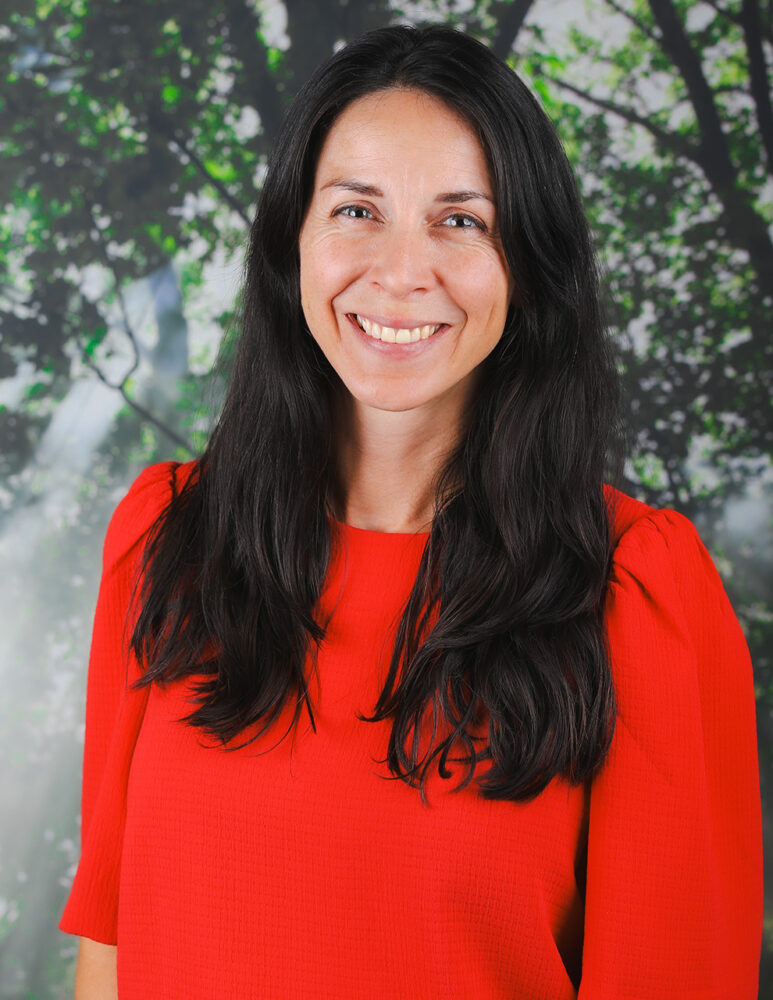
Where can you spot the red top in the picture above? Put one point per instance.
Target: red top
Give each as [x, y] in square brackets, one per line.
[292, 869]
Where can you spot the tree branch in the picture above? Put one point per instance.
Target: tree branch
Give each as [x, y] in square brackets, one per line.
[160, 122]
[244, 33]
[509, 22]
[765, 26]
[146, 415]
[638, 24]
[715, 153]
[218, 185]
[119, 295]
[767, 22]
[677, 145]
[727, 14]
[758, 75]
[747, 227]
[121, 386]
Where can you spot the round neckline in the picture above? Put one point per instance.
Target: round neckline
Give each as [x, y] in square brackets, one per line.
[353, 530]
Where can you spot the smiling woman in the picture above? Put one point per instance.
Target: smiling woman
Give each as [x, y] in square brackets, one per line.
[404, 282]
[390, 695]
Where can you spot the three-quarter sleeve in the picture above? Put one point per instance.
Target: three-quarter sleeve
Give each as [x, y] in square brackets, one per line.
[114, 711]
[674, 865]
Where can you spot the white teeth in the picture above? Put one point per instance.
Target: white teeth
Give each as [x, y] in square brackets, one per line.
[390, 335]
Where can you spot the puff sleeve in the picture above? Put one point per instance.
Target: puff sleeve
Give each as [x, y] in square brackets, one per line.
[674, 865]
[114, 711]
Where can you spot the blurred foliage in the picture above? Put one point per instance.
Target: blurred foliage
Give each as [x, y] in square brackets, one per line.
[134, 136]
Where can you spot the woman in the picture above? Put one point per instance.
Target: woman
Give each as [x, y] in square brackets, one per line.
[414, 707]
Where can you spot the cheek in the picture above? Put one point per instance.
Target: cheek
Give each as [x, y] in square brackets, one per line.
[485, 288]
[325, 273]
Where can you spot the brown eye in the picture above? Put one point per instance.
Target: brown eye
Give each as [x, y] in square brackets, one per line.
[460, 220]
[354, 212]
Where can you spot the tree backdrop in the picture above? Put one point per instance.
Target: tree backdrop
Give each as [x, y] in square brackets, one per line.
[133, 139]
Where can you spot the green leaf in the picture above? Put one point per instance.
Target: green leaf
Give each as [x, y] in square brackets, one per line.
[93, 342]
[36, 391]
[221, 171]
[170, 94]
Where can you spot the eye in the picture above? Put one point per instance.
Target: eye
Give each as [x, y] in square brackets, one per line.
[460, 220]
[354, 212]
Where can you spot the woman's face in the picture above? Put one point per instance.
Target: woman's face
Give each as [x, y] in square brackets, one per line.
[403, 280]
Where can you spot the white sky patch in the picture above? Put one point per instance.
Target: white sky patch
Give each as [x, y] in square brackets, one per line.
[273, 23]
[416, 11]
[703, 473]
[734, 339]
[12, 389]
[640, 329]
[748, 517]
[647, 468]
[203, 203]
[221, 278]
[222, 82]
[94, 281]
[247, 125]
[765, 195]
[64, 454]
[699, 16]
[260, 175]
[194, 205]
[686, 217]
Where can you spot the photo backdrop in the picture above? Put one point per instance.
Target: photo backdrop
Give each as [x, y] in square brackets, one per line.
[133, 139]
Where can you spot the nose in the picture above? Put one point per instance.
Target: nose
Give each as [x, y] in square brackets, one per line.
[402, 262]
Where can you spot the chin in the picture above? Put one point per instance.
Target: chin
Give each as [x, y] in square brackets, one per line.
[388, 404]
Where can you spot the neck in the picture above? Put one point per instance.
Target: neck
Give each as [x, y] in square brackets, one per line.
[388, 463]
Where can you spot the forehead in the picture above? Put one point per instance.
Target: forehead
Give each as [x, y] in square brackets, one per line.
[403, 129]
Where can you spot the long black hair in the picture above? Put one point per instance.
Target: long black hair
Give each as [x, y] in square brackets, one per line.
[514, 571]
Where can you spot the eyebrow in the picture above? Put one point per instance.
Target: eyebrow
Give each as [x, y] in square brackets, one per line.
[448, 197]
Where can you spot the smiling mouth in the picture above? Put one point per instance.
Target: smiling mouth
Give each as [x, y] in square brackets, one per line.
[392, 335]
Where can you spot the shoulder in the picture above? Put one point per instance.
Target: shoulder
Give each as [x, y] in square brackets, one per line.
[674, 864]
[662, 550]
[147, 498]
[631, 518]
[672, 633]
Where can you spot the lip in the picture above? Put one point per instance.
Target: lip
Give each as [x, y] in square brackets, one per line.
[395, 350]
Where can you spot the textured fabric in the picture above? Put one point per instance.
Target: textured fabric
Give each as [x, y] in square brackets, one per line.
[298, 868]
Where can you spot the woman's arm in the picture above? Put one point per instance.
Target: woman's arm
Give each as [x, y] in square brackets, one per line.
[114, 713]
[95, 976]
[673, 905]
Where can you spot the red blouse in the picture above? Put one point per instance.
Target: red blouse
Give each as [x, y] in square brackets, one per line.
[291, 868]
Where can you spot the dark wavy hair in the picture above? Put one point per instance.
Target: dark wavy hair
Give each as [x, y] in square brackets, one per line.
[515, 567]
